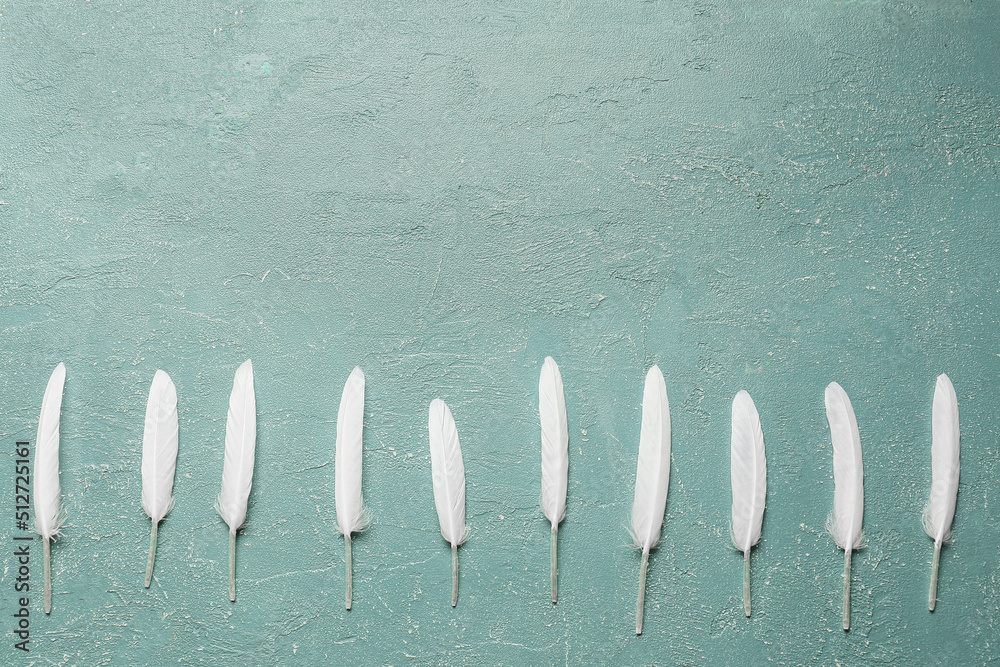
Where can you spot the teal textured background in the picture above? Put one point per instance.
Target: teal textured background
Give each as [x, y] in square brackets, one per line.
[762, 195]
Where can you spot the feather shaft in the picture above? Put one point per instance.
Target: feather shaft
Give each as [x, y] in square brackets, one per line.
[553, 565]
[47, 557]
[641, 601]
[746, 582]
[349, 574]
[847, 590]
[652, 477]
[932, 596]
[152, 554]
[555, 453]
[232, 567]
[454, 575]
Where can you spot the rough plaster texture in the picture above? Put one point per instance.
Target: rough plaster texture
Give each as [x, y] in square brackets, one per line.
[760, 195]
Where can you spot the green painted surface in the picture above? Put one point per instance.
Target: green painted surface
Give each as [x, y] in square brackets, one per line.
[752, 197]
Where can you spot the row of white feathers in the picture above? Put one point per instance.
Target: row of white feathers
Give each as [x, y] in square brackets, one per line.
[748, 463]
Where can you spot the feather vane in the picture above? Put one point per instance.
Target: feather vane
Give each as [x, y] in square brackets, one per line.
[945, 464]
[241, 439]
[159, 447]
[448, 473]
[237, 467]
[945, 458]
[49, 514]
[351, 513]
[845, 522]
[555, 457]
[748, 473]
[652, 475]
[555, 442]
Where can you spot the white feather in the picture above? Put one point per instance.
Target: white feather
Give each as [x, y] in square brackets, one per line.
[944, 462]
[49, 514]
[241, 439]
[159, 447]
[447, 473]
[652, 475]
[555, 442]
[748, 473]
[845, 522]
[351, 513]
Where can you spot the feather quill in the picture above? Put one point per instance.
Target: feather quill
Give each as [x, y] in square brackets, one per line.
[159, 457]
[945, 455]
[49, 514]
[845, 522]
[555, 455]
[652, 477]
[351, 513]
[748, 473]
[237, 469]
[448, 477]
